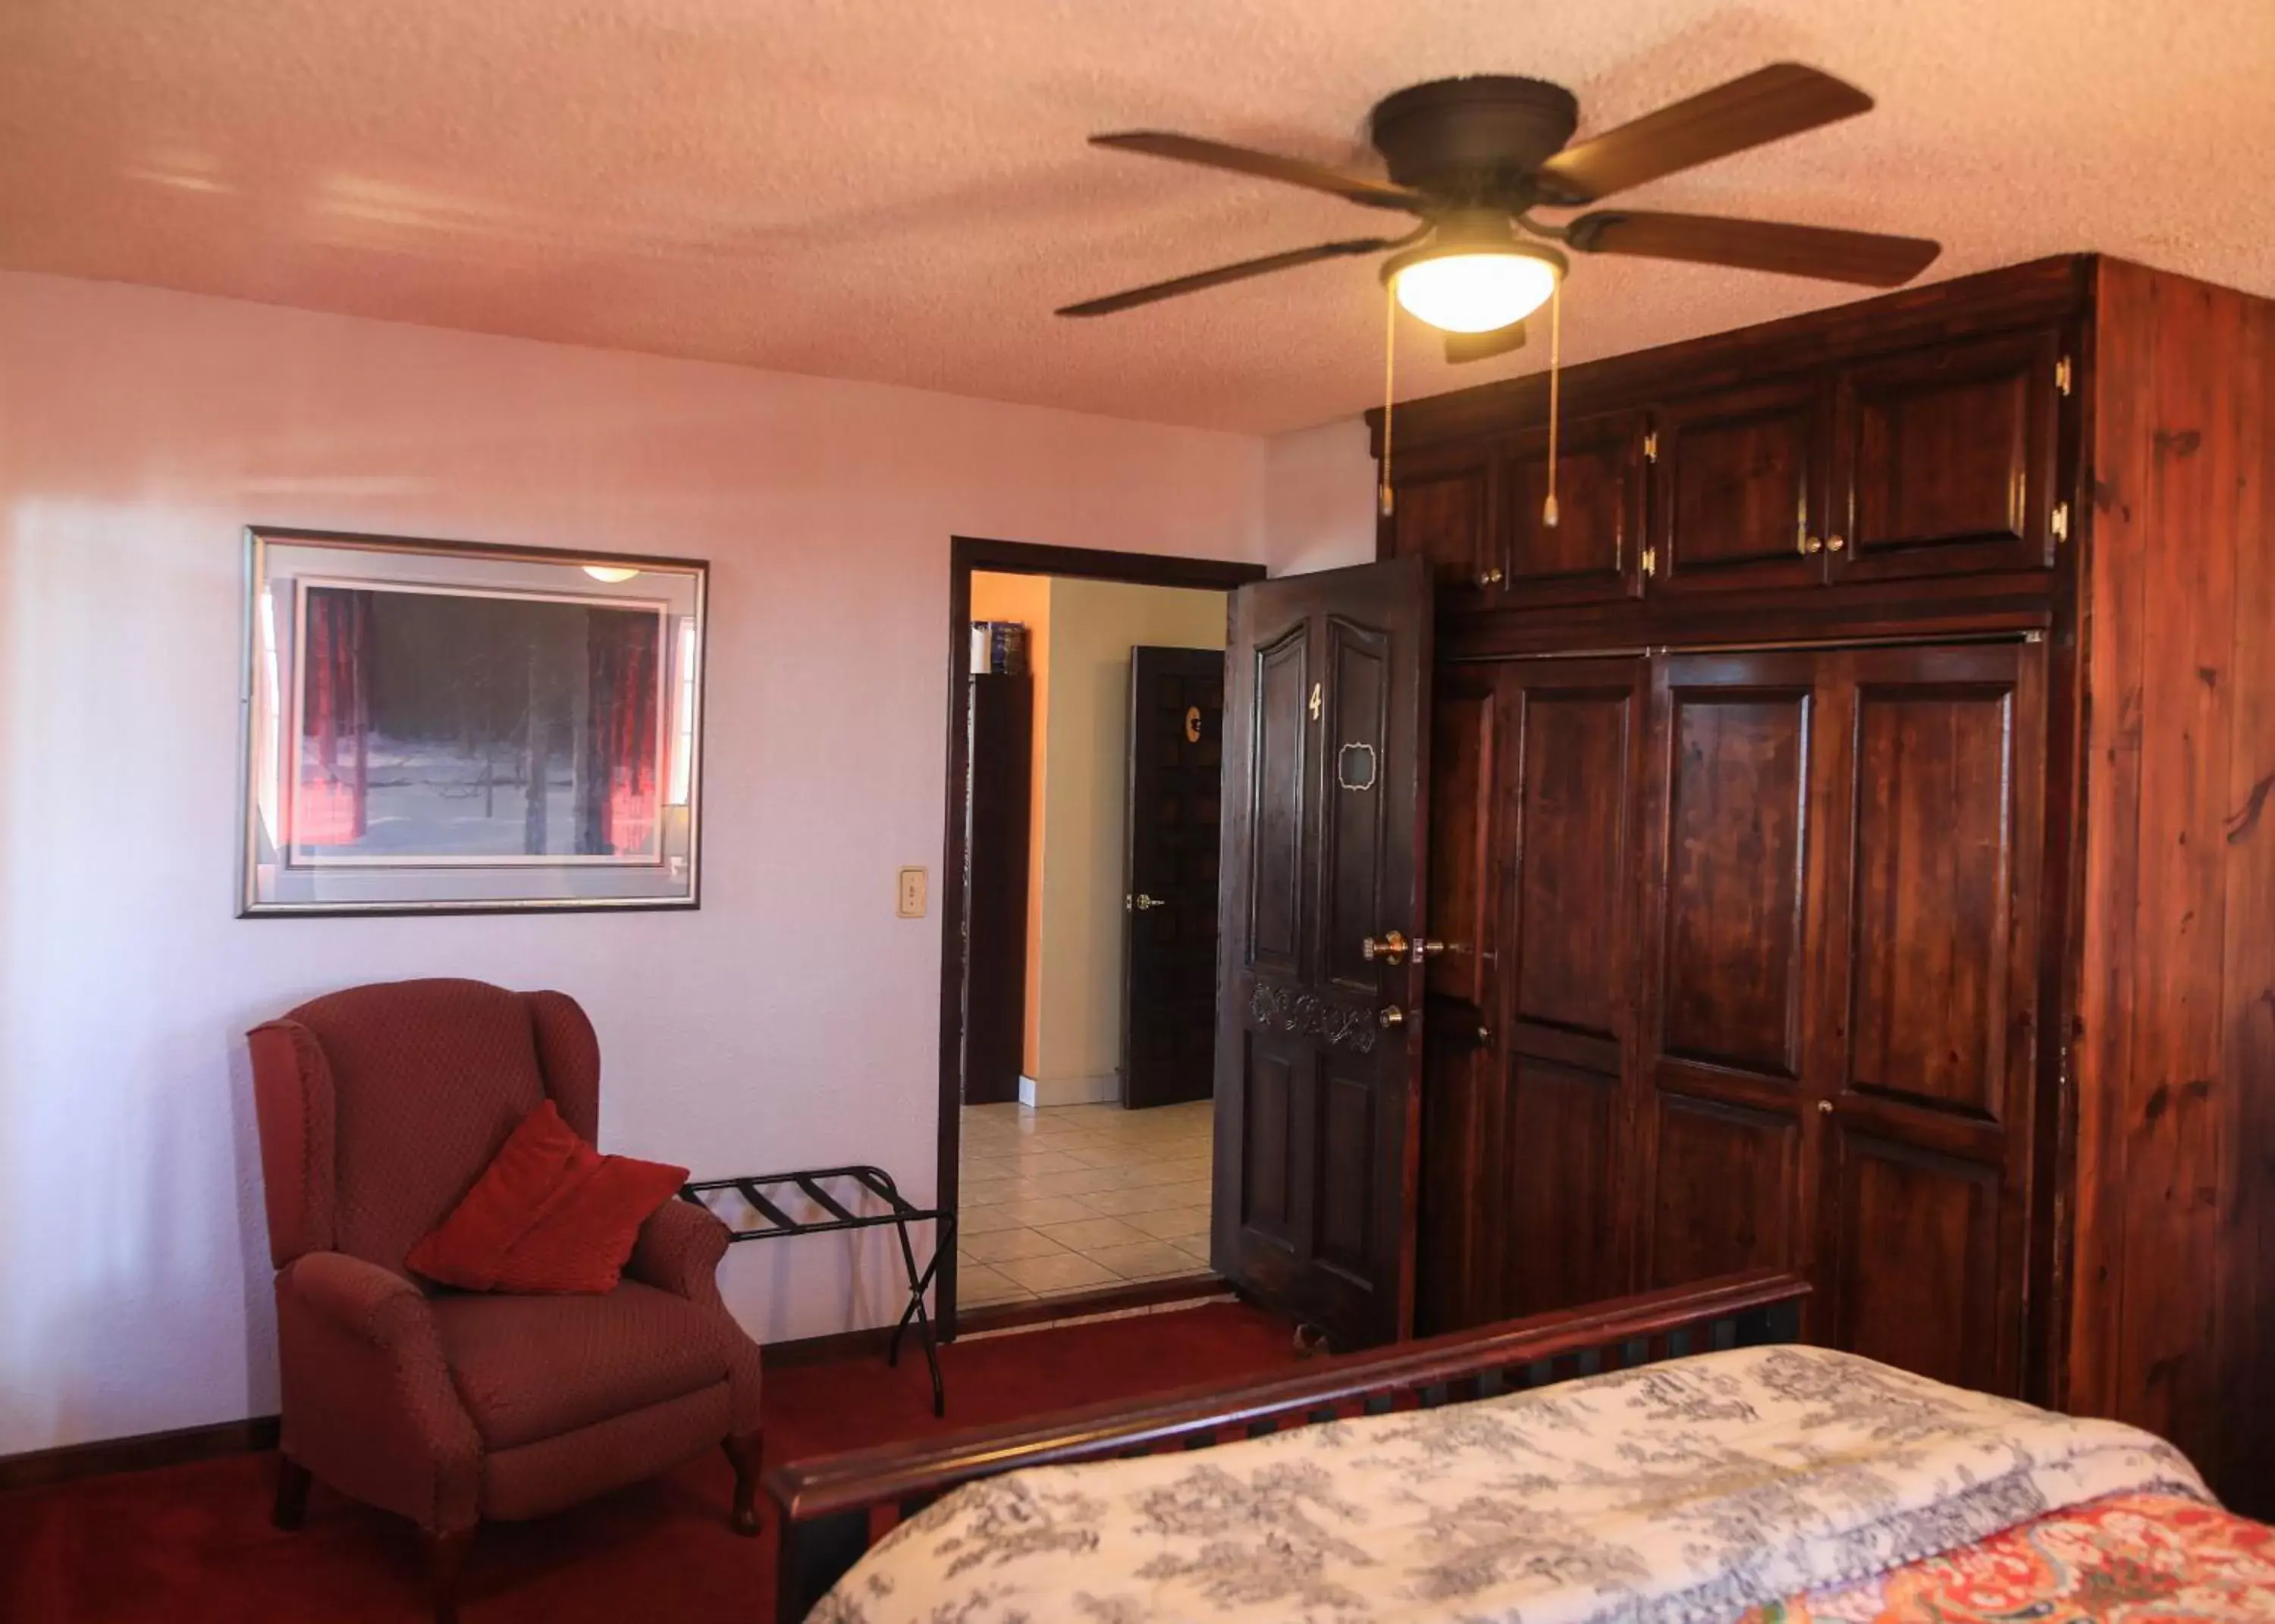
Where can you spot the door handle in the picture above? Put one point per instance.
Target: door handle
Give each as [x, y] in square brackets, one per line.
[1141, 902]
[1391, 945]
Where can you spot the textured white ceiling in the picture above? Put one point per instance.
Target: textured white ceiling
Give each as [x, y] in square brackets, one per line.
[899, 190]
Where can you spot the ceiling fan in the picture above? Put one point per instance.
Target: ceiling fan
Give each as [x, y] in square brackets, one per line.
[1471, 157]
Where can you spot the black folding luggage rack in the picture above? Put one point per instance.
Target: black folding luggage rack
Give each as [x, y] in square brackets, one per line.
[879, 1183]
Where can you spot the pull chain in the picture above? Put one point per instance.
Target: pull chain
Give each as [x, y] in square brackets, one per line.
[1389, 378]
[1555, 361]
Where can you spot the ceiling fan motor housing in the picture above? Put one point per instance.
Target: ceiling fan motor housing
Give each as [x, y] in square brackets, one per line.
[1477, 139]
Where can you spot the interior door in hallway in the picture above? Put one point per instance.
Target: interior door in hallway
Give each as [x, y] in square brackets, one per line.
[1169, 960]
[1319, 1048]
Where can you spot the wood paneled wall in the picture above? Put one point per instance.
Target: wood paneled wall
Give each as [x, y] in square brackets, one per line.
[2173, 1299]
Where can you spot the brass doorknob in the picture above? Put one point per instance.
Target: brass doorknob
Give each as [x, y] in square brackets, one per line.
[1141, 902]
[1391, 945]
[1427, 946]
[1392, 1016]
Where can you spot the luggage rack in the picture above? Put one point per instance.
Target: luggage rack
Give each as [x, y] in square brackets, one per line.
[878, 1182]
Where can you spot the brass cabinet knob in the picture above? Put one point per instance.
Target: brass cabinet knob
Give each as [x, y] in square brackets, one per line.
[1810, 547]
[1833, 544]
[1392, 1016]
[1489, 578]
[1824, 1107]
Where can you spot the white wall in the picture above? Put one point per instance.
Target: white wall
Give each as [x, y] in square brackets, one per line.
[1319, 498]
[1076, 953]
[791, 1021]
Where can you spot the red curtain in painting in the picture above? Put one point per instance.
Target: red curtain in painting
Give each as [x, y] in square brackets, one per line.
[617, 816]
[331, 806]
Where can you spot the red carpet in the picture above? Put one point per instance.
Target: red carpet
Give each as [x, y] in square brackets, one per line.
[193, 1543]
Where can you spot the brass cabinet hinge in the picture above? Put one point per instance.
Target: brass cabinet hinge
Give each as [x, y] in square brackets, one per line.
[2062, 375]
[1651, 446]
[2058, 521]
[1650, 561]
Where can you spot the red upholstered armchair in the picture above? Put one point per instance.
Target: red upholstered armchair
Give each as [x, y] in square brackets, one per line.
[379, 1109]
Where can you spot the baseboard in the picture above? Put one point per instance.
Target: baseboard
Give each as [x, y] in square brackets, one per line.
[138, 1454]
[870, 1343]
[1104, 1089]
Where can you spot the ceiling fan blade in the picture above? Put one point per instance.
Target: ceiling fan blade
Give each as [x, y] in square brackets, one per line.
[1783, 99]
[1863, 257]
[1223, 274]
[1481, 346]
[1270, 166]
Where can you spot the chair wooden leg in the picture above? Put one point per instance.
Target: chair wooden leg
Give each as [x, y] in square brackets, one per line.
[743, 1450]
[292, 1493]
[446, 1554]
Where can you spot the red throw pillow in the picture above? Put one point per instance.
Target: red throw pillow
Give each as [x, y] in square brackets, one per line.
[549, 1214]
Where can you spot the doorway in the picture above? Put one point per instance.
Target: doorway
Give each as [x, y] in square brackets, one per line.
[1084, 760]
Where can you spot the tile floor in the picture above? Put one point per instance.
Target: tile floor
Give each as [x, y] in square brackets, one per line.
[1075, 1197]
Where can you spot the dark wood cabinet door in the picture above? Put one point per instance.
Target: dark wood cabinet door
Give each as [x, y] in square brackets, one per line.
[1932, 922]
[1456, 1212]
[1594, 551]
[1737, 786]
[1561, 1045]
[1945, 461]
[1741, 485]
[1442, 512]
[1319, 1055]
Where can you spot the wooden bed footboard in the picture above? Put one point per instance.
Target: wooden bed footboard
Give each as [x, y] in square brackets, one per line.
[831, 1508]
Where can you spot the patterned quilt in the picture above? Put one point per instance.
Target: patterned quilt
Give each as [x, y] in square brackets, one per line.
[2129, 1558]
[1688, 1491]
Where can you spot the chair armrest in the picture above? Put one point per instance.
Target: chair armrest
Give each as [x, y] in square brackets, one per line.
[379, 1305]
[678, 1251]
[369, 1402]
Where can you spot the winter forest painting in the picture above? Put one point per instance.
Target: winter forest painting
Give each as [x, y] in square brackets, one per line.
[440, 727]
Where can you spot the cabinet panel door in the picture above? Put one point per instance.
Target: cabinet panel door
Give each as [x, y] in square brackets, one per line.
[1442, 510]
[1932, 905]
[1458, 1167]
[1945, 461]
[1733, 1002]
[1740, 489]
[1568, 789]
[1594, 551]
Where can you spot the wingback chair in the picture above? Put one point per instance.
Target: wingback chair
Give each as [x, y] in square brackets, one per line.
[379, 1109]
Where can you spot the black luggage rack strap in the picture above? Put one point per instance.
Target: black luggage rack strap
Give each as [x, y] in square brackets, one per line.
[900, 1215]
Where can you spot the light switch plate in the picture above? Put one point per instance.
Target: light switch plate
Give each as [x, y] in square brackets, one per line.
[912, 893]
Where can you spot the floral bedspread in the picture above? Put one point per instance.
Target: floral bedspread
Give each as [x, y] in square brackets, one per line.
[2129, 1558]
[1688, 1491]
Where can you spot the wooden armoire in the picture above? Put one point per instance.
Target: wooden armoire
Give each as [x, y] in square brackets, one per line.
[1850, 827]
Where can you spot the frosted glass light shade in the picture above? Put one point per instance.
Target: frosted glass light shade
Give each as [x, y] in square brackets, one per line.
[611, 573]
[1477, 292]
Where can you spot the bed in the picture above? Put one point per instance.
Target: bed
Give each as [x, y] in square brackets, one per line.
[1654, 1459]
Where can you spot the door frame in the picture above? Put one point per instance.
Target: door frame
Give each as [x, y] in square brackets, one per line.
[967, 556]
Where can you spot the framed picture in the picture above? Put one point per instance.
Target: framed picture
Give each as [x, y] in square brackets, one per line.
[440, 727]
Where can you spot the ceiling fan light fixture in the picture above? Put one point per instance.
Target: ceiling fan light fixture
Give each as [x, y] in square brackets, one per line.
[1474, 279]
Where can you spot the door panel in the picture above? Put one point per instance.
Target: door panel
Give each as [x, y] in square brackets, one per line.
[1593, 552]
[1559, 1145]
[1169, 960]
[1355, 732]
[1930, 932]
[1317, 1090]
[1441, 512]
[1279, 728]
[1916, 1261]
[1572, 806]
[1932, 906]
[1945, 460]
[1724, 1192]
[1739, 776]
[1740, 489]
[1737, 816]
[1458, 1162]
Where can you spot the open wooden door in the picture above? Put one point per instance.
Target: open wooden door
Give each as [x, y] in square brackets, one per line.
[1318, 1049]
